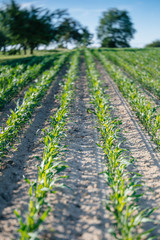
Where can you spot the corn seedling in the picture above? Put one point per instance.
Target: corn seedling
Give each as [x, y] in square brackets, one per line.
[51, 164]
[24, 111]
[18, 80]
[122, 202]
[143, 108]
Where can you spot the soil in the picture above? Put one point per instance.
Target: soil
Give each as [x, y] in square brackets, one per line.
[6, 110]
[78, 211]
[138, 142]
[13, 188]
[150, 96]
[79, 214]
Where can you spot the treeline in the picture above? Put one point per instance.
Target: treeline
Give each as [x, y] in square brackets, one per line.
[29, 28]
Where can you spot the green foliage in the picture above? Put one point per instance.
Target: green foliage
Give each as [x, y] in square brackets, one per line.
[3, 41]
[122, 200]
[31, 99]
[12, 80]
[86, 37]
[71, 31]
[51, 164]
[115, 29]
[32, 27]
[27, 27]
[143, 66]
[155, 43]
[145, 111]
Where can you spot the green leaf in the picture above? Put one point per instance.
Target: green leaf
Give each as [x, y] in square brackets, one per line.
[27, 180]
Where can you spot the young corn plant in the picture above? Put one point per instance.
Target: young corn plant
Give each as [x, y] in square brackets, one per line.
[10, 73]
[147, 76]
[122, 201]
[19, 80]
[24, 111]
[146, 113]
[51, 164]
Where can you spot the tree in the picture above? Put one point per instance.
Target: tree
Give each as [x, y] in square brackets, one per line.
[64, 31]
[29, 28]
[115, 28]
[71, 31]
[4, 40]
[14, 21]
[85, 38]
[155, 43]
[38, 27]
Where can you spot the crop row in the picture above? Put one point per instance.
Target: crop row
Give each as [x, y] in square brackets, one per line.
[122, 200]
[147, 60]
[31, 99]
[16, 80]
[51, 164]
[20, 61]
[141, 72]
[9, 72]
[145, 111]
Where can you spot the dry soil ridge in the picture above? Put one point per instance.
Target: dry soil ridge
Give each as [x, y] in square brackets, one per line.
[139, 143]
[78, 214]
[13, 188]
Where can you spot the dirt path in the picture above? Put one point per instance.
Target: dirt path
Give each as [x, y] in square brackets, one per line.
[13, 188]
[140, 145]
[79, 213]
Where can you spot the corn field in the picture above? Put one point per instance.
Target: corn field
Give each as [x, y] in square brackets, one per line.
[79, 146]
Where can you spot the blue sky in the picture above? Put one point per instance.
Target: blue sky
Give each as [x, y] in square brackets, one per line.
[145, 14]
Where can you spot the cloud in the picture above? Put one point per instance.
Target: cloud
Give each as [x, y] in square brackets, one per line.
[29, 4]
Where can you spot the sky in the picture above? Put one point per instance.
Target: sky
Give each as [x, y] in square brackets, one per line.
[145, 14]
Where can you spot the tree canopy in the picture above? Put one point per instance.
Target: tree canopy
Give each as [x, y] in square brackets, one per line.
[71, 31]
[31, 27]
[4, 40]
[115, 28]
[155, 43]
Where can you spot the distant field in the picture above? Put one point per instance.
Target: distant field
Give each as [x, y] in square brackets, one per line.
[7, 58]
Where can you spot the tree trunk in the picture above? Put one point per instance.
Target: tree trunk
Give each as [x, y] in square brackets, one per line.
[4, 49]
[32, 50]
[25, 50]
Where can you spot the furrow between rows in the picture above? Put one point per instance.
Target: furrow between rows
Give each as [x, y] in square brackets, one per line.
[13, 188]
[140, 145]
